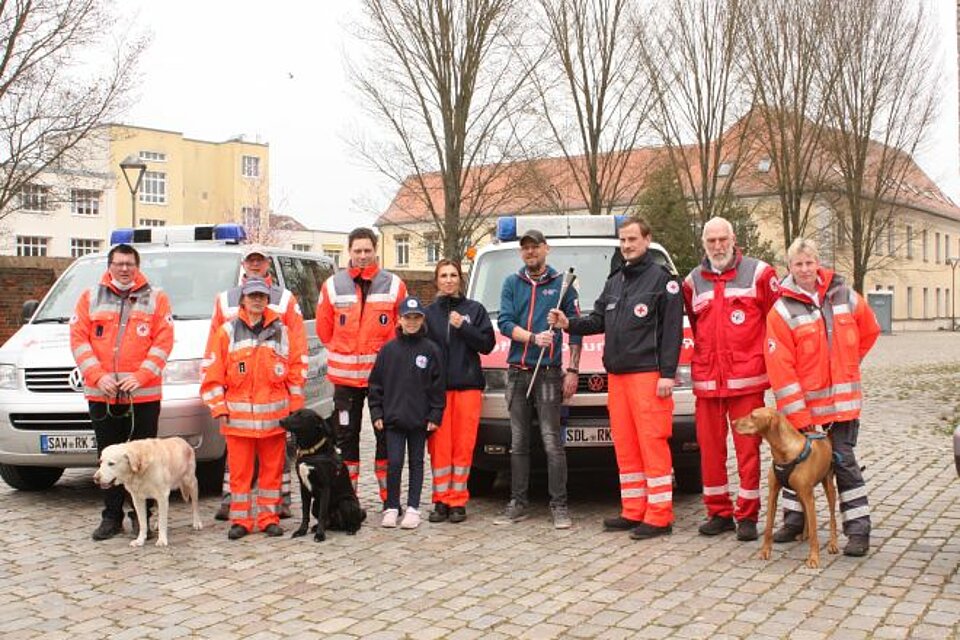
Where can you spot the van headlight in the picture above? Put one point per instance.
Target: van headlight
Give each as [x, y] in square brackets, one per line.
[683, 378]
[8, 376]
[182, 372]
[496, 379]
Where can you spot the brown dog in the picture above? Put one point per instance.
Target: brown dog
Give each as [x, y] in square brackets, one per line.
[786, 445]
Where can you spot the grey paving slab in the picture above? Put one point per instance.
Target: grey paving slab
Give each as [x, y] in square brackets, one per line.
[474, 580]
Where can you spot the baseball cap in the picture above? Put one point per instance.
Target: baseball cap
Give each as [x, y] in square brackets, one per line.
[254, 249]
[410, 305]
[534, 236]
[255, 285]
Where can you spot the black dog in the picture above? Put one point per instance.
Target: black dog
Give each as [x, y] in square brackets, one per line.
[325, 489]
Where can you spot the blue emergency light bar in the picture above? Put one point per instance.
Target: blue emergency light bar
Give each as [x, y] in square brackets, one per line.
[228, 233]
[575, 226]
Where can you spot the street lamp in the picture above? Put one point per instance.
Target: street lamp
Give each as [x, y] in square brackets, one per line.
[135, 164]
[953, 292]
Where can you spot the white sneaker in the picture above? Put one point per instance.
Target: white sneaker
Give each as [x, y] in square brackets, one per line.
[411, 519]
[389, 518]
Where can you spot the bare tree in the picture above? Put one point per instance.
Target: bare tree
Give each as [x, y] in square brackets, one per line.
[51, 96]
[791, 73]
[690, 50]
[879, 113]
[594, 98]
[444, 79]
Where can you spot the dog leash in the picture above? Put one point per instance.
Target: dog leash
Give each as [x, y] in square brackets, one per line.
[313, 449]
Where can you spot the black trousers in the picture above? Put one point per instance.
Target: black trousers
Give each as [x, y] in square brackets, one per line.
[348, 403]
[116, 424]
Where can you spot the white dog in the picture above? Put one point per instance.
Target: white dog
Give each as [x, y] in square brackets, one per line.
[151, 468]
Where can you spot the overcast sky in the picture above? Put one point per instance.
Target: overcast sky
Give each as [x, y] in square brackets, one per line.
[275, 72]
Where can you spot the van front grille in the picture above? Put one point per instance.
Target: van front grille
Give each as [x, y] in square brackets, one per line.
[51, 421]
[49, 380]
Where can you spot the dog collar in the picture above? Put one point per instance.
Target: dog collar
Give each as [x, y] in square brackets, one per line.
[783, 471]
[313, 449]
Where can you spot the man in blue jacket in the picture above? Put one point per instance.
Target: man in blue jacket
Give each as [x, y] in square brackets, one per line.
[525, 300]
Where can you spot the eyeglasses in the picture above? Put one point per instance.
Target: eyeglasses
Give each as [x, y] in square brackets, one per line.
[123, 265]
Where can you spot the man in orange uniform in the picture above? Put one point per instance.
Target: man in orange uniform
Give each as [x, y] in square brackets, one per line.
[254, 378]
[640, 313]
[356, 315]
[256, 264]
[121, 335]
[728, 297]
[817, 335]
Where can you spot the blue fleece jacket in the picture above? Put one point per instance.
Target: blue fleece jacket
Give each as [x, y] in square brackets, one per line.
[525, 302]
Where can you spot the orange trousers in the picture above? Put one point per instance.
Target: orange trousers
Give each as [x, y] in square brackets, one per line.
[451, 447]
[641, 425]
[242, 454]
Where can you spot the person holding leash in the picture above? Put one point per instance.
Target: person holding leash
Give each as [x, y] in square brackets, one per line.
[121, 335]
[727, 299]
[817, 335]
[640, 313]
[255, 263]
[253, 379]
[525, 300]
[462, 329]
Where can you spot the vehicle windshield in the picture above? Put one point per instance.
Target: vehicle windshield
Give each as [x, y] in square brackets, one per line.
[190, 279]
[592, 264]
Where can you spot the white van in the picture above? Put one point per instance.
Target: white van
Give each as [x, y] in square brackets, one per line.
[44, 422]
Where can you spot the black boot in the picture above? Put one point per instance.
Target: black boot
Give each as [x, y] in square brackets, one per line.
[440, 512]
[107, 529]
[716, 525]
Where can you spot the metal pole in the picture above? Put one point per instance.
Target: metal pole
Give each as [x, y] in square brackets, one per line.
[133, 209]
[953, 294]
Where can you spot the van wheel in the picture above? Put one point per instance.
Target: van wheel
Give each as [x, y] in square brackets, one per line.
[481, 481]
[30, 478]
[210, 475]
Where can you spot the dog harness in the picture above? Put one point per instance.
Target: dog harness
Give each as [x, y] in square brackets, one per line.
[783, 471]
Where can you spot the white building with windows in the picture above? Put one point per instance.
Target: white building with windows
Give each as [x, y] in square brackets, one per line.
[289, 233]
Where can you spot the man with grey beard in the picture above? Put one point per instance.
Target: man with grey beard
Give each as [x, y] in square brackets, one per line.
[727, 299]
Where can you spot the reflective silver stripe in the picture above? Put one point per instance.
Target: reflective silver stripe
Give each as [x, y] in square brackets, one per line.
[853, 494]
[237, 514]
[382, 297]
[82, 349]
[632, 477]
[656, 498]
[706, 385]
[160, 353]
[269, 508]
[152, 367]
[268, 493]
[295, 389]
[86, 364]
[241, 497]
[635, 492]
[853, 514]
[265, 407]
[216, 392]
[850, 405]
[93, 392]
[143, 392]
[794, 407]
[256, 425]
[344, 373]
[742, 383]
[749, 494]
[459, 486]
[441, 486]
[344, 358]
[791, 505]
[661, 481]
[460, 471]
[845, 387]
[441, 471]
[719, 490]
[206, 362]
[786, 391]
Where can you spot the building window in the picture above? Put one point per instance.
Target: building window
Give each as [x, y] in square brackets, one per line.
[764, 165]
[909, 302]
[925, 303]
[250, 166]
[154, 187]
[891, 241]
[153, 156]
[924, 246]
[909, 242]
[300, 247]
[946, 248]
[85, 202]
[403, 250]
[34, 197]
[724, 169]
[250, 216]
[31, 246]
[335, 256]
[151, 222]
[433, 248]
[878, 247]
[936, 248]
[83, 246]
[936, 303]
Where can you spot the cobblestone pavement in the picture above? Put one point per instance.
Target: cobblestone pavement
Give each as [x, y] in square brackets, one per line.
[475, 580]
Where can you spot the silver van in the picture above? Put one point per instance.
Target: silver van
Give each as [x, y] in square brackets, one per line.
[44, 423]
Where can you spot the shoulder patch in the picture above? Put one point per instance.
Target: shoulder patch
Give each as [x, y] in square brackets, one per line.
[774, 284]
[421, 361]
[771, 345]
[673, 287]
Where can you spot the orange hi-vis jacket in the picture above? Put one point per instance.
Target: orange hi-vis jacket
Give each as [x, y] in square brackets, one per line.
[814, 350]
[253, 379]
[122, 334]
[353, 328]
[282, 301]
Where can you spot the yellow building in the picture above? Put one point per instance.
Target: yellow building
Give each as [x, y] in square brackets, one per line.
[190, 181]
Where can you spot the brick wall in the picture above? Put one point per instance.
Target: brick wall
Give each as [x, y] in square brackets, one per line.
[22, 279]
[419, 284]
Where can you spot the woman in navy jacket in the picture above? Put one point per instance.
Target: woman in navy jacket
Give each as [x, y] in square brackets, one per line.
[462, 330]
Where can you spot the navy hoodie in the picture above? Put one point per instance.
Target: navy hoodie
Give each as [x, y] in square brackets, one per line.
[461, 348]
[407, 383]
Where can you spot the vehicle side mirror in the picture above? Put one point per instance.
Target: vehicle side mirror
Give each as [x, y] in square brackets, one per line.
[29, 307]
